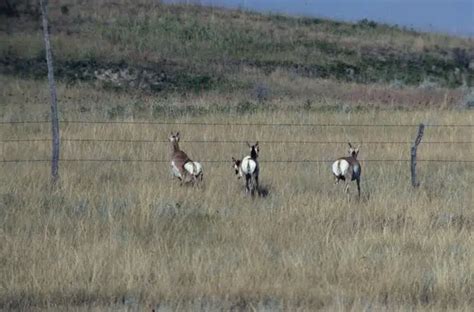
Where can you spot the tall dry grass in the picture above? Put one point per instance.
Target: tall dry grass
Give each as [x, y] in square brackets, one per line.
[127, 236]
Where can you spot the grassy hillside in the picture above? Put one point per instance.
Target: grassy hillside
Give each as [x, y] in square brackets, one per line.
[194, 48]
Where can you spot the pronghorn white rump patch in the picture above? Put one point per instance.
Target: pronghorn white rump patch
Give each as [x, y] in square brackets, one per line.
[340, 167]
[193, 168]
[248, 166]
[189, 167]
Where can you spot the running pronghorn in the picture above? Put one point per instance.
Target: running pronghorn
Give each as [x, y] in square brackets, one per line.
[182, 166]
[248, 167]
[348, 168]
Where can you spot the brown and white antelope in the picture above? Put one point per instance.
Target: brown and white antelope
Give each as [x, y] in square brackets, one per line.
[348, 168]
[182, 166]
[249, 168]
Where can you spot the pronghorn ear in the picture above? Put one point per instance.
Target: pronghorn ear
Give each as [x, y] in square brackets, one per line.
[233, 159]
[350, 145]
[256, 144]
[357, 150]
[248, 144]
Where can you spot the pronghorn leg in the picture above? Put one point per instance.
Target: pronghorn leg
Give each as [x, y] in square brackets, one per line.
[252, 187]
[358, 186]
[347, 184]
[180, 181]
[346, 190]
[347, 181]
[256, 184]
[189, 179]
[247, 184]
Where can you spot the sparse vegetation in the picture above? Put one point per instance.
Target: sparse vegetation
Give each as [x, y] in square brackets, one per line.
[126, 236]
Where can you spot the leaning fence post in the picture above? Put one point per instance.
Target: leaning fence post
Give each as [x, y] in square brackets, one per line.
[52, 89]
[414, 147]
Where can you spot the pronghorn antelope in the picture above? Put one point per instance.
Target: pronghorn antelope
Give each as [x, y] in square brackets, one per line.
[182, 166]
[348, 168]
[248, 167]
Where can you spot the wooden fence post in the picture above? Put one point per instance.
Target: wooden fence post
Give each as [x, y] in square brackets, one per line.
[52, 89]
[414, 147]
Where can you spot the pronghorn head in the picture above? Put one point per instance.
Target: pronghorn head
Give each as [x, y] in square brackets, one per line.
[353, 151]
[254, 150]
[174, 137]
[236, 165]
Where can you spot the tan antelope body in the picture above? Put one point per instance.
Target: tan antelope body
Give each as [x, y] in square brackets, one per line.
[348, 168]
[182, 166]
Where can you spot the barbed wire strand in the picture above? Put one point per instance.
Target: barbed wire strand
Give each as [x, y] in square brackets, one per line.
[256, 124]
[229, 141]
[229, 161]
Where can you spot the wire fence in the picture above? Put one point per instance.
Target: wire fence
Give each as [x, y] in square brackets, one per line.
[139, 141]
[227, 124]
[222, 161]
[226, 141]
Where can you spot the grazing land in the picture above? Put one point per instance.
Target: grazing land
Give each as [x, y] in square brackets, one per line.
[124, 235]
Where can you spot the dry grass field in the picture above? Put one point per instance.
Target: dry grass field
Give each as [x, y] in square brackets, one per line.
[126, 236]
[118, 233]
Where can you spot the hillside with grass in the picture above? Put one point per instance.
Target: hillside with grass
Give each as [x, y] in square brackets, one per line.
[160, 47]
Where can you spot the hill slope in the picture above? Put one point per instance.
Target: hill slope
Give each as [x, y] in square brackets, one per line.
[174, 47]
